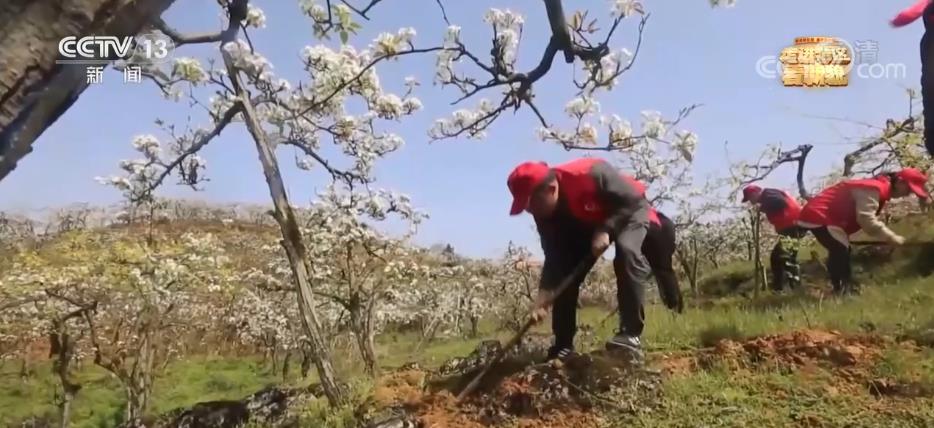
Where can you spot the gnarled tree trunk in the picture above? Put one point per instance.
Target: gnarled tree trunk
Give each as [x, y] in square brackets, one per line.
[34, 90]
[362, 331]
[291, 236]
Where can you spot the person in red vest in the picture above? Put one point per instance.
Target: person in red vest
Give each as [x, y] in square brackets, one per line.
[579, 208]
[659, 250]
[782, 210]
[925, 9]
[854, 205]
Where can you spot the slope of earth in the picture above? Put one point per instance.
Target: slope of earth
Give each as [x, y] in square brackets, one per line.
[814, 378]
[811, 378]
[817, 362]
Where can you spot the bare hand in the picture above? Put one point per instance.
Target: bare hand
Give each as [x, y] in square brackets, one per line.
[898, 240]
[601, 241]
[539, 309]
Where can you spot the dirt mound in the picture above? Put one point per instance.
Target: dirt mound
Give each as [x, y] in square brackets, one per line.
[556, 394]
[801, 348]
[851, 359]
[403, 388]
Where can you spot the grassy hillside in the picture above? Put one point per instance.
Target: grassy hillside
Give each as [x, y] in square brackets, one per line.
[895, 305]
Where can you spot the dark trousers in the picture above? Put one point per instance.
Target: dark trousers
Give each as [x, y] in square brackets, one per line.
[784, 259]
[927, 79]
[838, 260]
[659, 250]
[631, 270]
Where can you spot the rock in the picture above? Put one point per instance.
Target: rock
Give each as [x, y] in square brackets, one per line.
[845, 355]
[268, 407]
[531, 348]
[219, 414]
[393, 422]
[414, 365]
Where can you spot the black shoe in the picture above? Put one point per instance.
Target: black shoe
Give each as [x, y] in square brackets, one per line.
[559, 353]
[625, 342]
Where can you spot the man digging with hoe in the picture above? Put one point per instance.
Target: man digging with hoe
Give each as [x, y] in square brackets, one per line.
[579, 208]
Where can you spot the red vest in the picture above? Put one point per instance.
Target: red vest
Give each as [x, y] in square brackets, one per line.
[788, 217]
[835, 206]
[653, 214]
[580, 190]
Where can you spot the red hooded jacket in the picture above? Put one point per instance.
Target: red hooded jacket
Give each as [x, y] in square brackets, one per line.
[653, 213]
[780, 208]
[589, 187]
[835, 206]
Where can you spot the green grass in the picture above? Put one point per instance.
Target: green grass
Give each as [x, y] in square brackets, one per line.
[901, 307]
[895, 308]
[772, 399]
[718, 397]
[99, 403]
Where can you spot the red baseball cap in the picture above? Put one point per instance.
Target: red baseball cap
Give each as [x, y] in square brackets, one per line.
[916, 181]
[750, 191]
[522, 182]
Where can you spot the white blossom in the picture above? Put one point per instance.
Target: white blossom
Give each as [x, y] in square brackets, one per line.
[189, 69]
[452, 36]
[148, 145]
[686, 144]
[387, 44]
[581, 106]
[652, 124]
[620, 129]
[588, 133]
[624, 8]
[507, 28]
[255, 17]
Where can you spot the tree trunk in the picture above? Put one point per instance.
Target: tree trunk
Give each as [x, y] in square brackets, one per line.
[65, 407]
[364, 343]
[757, 253]
[695, 264]
[474, 326]
[137, 400]
[291, 238]
[274, 358]
[139, 383]
[63, 346]
[428, 333]
[34, 90]
[306, 362]
[286, 366]
[686, 266]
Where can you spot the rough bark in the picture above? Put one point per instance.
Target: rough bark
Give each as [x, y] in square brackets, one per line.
[62, 347]
[756, 223]
[34, 90]
[139, 384]
[364, 337]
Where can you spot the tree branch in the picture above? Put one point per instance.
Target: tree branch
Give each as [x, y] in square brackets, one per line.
[798, 155]
[444, 13]
[891, 131]
[364, 11]
[317, 104]
[196, 147]
[335, 173]
[182, 39]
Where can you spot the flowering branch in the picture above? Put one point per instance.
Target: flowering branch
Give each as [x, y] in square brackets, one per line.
[751, 173]
[603, 66]
[891, 131]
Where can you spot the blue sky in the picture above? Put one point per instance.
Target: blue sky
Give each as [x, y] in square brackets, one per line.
[691, 54]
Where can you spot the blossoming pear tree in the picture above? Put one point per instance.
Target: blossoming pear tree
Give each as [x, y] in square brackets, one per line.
[320, 110]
